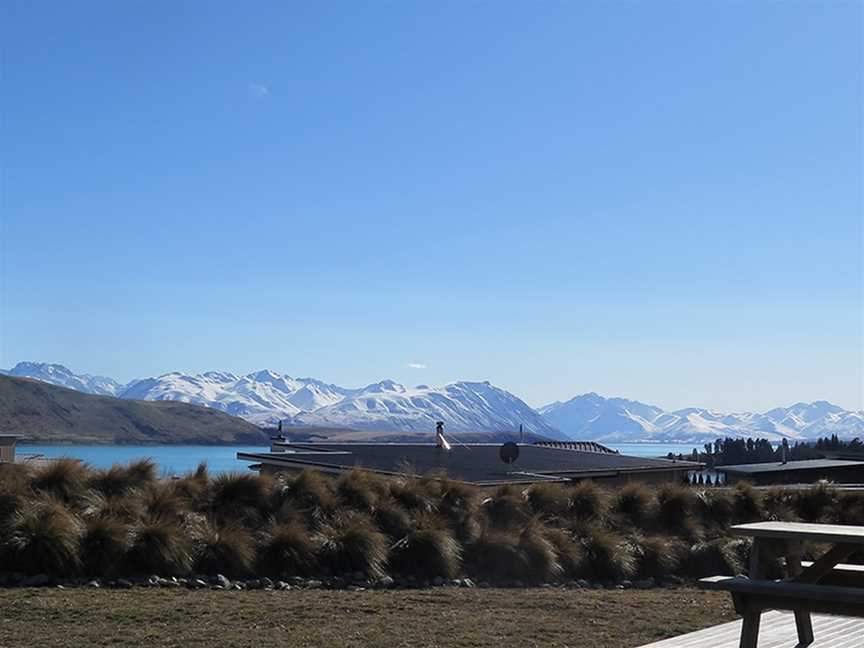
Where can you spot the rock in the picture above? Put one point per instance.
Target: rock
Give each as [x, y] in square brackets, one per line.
[385, 582]
[197, 583]
[237, 586]
[282, 586]
[626, 584]
[583, 583]
[93, 583]
[253, 584]
[223, 581]
[485, 585]
[437, 581]
[467, 582]
[39, 580]
[216, 587]
[316, 584]
[266, 583]
[647, 583]
[122, 583]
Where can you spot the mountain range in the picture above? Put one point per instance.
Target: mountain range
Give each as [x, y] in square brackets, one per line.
[44, 413]
[265, 397]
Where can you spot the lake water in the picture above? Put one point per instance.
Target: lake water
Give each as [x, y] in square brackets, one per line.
[178, 459]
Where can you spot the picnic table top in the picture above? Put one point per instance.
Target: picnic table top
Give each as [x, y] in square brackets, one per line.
[836, 533]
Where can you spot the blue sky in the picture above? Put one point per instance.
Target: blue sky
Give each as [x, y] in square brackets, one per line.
[655, 200]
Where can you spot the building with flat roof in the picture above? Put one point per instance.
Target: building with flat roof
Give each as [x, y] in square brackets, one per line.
[808, 471]
[477, 463]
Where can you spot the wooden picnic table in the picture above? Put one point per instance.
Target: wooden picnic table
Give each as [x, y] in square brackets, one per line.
[804, 589]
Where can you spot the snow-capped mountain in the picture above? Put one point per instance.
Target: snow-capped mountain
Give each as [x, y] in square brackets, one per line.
[463, 406]
[591, 416]
[265, 397]
[57, 374]
[262, 397]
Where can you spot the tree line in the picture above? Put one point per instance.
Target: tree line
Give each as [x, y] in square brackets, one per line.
[732, 451]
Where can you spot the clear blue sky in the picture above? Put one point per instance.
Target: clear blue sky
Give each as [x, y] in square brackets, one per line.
[659, 200]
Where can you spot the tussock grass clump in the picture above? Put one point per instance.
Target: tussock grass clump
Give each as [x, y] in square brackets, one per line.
[658, 556]
[588, 501]
[240, 497]
[194, 486]
[392, 519]
[715, 507]
[506, 508]
[850, 508]
[141, 473]
[747, 503]
[540, 555]
[569, 552]
[103, 546]
[360, 489]
[458, 505]
[607, 555]
[427, 553]
[674, 506]
[633, 503]
[112, 482]
[159, 547]
[128, 508]
[43, 539]
[311, 493]
[162, 500]
[495, 556]
[549, 500]
[817, 502]
[351, 543]
[779, 504]
[717, 557]
[286, 549]
[415, 495]
[223, 549]
[64, 479]
[526, 554]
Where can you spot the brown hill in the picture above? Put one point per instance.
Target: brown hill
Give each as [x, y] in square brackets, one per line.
[43, 413]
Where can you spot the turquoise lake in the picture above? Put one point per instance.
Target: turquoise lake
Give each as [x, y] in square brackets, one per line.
[177, 459]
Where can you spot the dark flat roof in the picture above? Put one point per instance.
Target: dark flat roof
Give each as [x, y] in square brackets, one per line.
[776, 466]
[476, 463]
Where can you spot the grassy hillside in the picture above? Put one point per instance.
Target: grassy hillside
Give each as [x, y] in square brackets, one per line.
[43, 413]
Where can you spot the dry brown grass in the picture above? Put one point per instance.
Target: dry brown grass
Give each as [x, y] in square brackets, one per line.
[439, 618]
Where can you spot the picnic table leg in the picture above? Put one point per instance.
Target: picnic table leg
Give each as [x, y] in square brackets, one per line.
[750, 629]
[804, 626]
[751, 616]
[803, 622]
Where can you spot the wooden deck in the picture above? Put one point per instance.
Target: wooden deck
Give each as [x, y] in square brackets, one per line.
[777, 631]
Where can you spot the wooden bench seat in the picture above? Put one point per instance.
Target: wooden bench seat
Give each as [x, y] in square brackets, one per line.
[842, 574]
[752, 597]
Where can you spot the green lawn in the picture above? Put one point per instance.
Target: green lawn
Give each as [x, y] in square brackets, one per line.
[441, 617]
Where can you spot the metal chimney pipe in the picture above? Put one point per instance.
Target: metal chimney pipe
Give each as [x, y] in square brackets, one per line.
[440, 441]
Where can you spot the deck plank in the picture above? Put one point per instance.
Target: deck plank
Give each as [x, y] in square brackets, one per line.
[777, 631]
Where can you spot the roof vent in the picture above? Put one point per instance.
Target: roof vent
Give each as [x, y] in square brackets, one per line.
[509, 452]
[440, 441]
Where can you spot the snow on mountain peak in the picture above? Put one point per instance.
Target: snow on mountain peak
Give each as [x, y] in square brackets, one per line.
[266, 396]
[615, 419]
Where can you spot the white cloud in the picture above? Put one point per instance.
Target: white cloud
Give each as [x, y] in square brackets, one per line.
[416, 365]
[258, 90]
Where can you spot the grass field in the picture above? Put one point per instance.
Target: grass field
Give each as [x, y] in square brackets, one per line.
[438, 618]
